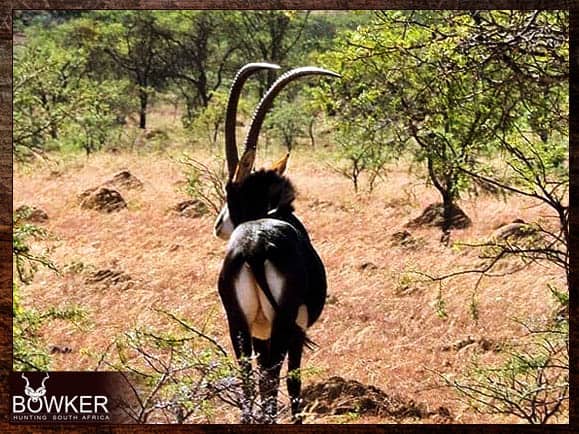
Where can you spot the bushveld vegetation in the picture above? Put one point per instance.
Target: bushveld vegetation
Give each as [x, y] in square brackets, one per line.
[433, 177]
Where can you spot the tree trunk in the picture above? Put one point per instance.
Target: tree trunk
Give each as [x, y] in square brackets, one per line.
[445, 188]
[215, 133]
[311, 132]
[53, 131]
[203, 90]
[143, 98]
[447, 202]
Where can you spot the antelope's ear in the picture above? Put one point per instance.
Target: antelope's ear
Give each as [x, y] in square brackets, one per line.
[244, 166]
[280, 166]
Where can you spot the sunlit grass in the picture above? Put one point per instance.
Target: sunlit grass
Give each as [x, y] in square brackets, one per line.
[371, 331]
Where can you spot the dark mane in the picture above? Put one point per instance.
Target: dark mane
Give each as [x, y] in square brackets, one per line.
[258, 194]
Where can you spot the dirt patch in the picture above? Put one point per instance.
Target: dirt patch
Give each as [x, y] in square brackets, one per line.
[102, 199]
[367, 266]
[31, 214]
[405, 239]
[124, 179]
[156, 133]
[192, 208]
[433, 215]
[337, 396]
[517, 230]
[326, 205]
[481, 343]
[108, 277]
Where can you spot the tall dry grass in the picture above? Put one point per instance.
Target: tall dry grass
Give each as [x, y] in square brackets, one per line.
[381, 326]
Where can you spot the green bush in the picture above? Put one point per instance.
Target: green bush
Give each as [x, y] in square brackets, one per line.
[30, 352]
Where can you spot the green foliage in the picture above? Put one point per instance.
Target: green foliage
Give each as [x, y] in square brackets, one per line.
[77, 76]
[450, 95]
[440, 305]
[456, 90]
[272, 35]
[206, 182]
[210, 119]
[323, 27]
[181, 374]
[399, 79]
[26, 261]
[54, 99]
[288, 121]
[199, 54]
[561, 297]
[363, 149]
[29, 350]
[531, 383]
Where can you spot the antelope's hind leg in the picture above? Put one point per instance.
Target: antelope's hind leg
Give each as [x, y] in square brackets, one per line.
[241, 341]
[294, 380]
[239, 331]
[270, 360]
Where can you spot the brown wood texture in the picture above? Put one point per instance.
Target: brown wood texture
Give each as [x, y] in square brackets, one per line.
[6, 166]
[573, 217]
[5, 206]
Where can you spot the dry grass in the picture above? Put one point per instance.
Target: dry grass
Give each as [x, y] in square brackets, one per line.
[380, 326]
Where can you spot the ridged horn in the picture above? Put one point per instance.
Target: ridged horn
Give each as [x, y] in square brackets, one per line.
[25, 379]
[248, 157]
[44, 380]
[231, 112]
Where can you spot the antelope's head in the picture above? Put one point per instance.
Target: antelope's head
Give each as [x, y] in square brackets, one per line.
[35, 394]
[253, 195]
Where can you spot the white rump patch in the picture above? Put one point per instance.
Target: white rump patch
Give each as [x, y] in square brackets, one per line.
[245, 290]
[256, 307]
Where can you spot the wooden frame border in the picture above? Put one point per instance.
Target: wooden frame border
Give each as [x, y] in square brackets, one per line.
[6, 168]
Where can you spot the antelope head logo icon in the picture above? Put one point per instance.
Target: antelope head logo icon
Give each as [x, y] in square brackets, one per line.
[35, 394]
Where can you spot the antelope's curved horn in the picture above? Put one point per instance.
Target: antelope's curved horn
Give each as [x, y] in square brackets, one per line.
[26, 379]
[246, 163]
[44, 379]
[231, 113]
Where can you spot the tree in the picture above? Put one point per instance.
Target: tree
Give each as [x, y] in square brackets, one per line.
[132, 40]
[197, 55]
[426, 80]
[481, 95]
[29, 349]
[365, 150]
[531, 56]
[288, 121]
[268, 36]
[54, 98]
[408, 81]
[44, 80]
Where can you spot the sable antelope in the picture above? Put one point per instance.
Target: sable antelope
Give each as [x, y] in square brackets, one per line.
[272, 282]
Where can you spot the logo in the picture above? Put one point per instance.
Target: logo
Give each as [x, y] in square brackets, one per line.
[36, 405]
[35, 395]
